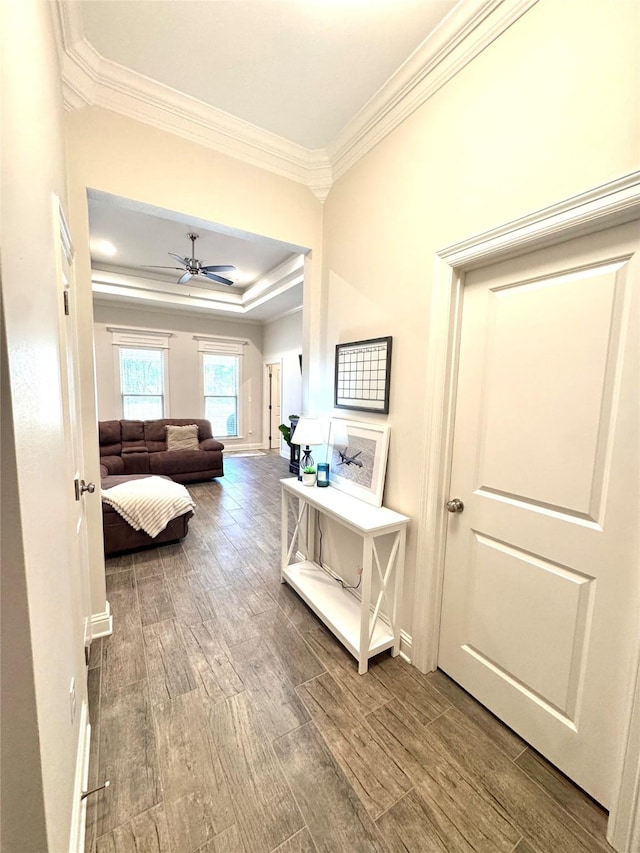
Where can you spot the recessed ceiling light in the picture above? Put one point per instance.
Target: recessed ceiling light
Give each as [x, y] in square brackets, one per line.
[243, 277]
[102, 247]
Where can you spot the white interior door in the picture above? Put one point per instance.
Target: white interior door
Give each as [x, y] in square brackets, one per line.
[69, 370]
[273, 378]
[541, 587]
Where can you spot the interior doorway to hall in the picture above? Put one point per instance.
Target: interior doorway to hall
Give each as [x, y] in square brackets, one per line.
[274, 404]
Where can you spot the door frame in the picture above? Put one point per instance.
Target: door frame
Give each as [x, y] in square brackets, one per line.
[265, 396]
[602, 207]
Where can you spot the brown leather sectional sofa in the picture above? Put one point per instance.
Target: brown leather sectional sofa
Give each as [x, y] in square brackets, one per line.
[131, 449]
[140, 447]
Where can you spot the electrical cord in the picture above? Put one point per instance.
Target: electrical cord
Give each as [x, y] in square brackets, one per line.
[326, 568]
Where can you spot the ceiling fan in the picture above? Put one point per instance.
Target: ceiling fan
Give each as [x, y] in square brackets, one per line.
[193, 266]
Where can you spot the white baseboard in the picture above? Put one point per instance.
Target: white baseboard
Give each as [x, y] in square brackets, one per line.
[242, 446]
[405, 646]
[81, 783]
[102, 623]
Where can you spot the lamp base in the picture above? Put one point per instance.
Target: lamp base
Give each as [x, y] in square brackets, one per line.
[306, 460]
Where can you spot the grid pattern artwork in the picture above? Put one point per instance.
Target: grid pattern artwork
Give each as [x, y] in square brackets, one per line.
[362, 375]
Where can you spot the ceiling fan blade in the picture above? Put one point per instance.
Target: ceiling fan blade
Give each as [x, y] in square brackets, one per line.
[183, 261]
[184, 278]
[218, 268]
[158, 267]
[215, 277]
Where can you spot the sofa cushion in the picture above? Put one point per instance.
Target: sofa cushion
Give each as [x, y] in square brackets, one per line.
[135, 462]
[109, 438]
[132, 431]
[182, 437]
[187, 461]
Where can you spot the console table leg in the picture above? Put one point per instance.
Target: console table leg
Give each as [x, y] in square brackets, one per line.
[365, 608]
[397, 593]
[284, 532]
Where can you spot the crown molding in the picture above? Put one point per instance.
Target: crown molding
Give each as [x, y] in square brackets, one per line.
[462, 35]
[90, 79]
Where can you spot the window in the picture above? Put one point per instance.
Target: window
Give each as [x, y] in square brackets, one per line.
[142, 383]
[141, 372]
[221, 393]
[221, 383]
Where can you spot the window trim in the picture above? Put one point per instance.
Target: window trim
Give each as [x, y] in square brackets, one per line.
[217, 345]
[126, 337]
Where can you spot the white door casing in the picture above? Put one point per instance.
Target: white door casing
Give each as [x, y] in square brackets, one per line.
[603, 207]
[541, 591]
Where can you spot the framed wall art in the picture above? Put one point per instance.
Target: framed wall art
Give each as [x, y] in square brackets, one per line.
[363, 375]
[357, 459]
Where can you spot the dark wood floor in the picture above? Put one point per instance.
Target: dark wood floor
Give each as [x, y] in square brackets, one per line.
[228, 720]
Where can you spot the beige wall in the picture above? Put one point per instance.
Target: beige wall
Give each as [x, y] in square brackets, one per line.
[548, 110]
[283, 344]
[41, 626]
[184, 379]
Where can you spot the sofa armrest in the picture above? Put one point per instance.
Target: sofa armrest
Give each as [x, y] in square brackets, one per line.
[211, 444]
[112, 464]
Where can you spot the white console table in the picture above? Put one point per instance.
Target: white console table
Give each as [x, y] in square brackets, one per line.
[356, 623]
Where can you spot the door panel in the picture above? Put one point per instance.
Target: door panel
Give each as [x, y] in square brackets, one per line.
[527, 451]
[541, 579]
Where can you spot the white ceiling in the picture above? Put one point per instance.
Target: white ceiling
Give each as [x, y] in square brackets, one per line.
[298, 86]
[301, 69]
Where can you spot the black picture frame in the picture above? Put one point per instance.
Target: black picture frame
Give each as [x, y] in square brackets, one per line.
[363, 375]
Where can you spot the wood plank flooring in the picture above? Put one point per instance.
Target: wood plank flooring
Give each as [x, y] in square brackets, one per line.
[229, 720]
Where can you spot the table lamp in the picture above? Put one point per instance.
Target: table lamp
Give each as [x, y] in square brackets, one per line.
[308, 432]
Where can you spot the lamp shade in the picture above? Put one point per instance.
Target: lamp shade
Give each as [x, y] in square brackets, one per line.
[308, 432]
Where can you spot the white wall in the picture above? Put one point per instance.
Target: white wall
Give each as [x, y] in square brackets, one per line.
[40, 619]
[283, 343]
[548, 110]
[185, 390]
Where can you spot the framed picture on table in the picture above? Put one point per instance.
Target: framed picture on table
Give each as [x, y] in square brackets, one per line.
[357, 459]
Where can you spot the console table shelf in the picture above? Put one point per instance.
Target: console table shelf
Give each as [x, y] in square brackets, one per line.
[356, 623]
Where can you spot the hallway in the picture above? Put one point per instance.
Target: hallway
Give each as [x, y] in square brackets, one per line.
[228, 720]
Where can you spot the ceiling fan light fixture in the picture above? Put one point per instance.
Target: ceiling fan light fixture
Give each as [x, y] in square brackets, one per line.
[194, 267]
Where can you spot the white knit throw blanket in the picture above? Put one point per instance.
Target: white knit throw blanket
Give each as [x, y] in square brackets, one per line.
[150, 503]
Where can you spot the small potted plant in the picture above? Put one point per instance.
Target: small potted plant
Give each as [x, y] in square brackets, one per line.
[309, 476]
[294, 450]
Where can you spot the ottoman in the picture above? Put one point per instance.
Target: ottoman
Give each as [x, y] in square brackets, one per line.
[118, 535]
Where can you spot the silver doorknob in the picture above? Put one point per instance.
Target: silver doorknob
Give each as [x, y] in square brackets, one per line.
[455, 505]
[81, 487]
